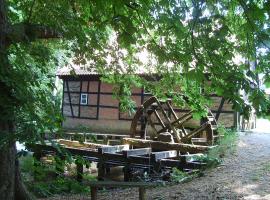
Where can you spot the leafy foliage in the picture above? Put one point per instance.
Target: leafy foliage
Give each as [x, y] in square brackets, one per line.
[61, 185]
[178, 175]
[40, 179]
[188, 42]
[226, 145]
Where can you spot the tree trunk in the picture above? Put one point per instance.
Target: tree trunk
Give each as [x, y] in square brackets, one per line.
[7, 171]
[11, 185]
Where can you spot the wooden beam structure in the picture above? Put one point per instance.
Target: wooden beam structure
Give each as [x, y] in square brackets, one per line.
[120, 155]
[183, 148]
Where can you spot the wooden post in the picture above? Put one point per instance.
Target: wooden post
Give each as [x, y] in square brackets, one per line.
[127, 172]
[183, 159]
[101, 170]
[108, 170]
[79, 172]
[105, 140]
[93, 193]
[142, 193]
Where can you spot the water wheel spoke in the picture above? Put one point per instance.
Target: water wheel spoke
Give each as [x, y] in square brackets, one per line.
[160, 118]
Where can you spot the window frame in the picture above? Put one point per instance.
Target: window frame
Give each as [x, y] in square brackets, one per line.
[84, 96]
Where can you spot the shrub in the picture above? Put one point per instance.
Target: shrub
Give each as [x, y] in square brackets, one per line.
[225, 145]
[178, 175]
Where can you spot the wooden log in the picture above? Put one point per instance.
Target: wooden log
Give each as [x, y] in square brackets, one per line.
[167, 146]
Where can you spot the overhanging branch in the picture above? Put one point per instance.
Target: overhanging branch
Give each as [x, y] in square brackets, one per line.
[23, 32]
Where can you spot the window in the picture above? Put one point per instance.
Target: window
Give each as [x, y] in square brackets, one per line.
[84, 99]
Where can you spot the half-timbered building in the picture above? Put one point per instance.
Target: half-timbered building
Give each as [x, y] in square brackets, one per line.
[89, 102]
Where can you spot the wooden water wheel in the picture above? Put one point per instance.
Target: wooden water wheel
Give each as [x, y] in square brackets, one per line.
[157, 120]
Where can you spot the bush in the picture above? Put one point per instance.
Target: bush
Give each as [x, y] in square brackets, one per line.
[225, 145]
[61, 185]
[178, 176]
[41, 181]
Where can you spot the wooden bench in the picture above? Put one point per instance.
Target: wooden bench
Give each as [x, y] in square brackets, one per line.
[141, 185]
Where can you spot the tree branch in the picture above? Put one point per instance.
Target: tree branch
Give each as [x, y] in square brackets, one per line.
[23, 32]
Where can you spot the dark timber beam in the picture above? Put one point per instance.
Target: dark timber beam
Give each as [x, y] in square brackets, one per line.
[220, 108]
[165, 146]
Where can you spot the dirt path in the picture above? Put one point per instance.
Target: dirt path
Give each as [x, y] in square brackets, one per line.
[244, 175]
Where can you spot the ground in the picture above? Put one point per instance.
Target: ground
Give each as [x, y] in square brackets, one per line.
[243, 175]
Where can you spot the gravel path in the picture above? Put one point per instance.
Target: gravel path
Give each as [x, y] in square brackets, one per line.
[243, 175]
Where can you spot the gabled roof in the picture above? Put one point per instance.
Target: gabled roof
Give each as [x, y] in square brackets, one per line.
[76, 70]
[81, 70]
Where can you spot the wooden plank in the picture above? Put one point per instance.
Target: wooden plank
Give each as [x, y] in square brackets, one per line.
[79, 144]
[113, 149]
[166, 146]
[136, 152]
[123, 184]
[96, 134]
[156, 156]
[73, 150]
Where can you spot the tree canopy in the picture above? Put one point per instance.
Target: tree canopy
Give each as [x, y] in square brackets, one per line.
[182, 39]
[202, 47]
